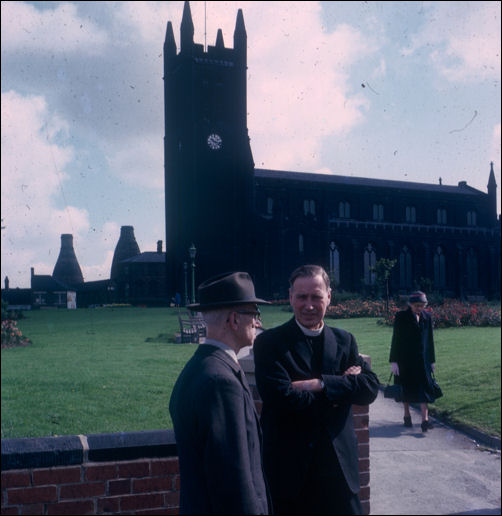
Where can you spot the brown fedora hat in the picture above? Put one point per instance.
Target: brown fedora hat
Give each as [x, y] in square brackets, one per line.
[229, 289]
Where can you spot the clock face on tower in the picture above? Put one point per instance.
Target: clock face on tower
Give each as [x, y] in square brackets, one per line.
[214, 141]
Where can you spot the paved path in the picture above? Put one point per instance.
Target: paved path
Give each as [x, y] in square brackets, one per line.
[440, 472]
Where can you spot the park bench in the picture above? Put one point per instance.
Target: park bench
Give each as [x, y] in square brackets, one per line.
[192, 327]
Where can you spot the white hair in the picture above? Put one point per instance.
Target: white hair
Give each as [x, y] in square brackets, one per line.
[216, 317]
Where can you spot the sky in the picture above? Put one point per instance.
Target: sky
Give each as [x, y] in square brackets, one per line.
[408, 91]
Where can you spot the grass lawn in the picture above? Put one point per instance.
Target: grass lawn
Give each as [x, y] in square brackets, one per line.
[92, 371]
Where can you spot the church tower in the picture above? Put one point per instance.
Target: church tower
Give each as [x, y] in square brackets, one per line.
[207, 155]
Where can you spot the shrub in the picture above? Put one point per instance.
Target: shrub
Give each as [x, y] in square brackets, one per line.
[12, 336]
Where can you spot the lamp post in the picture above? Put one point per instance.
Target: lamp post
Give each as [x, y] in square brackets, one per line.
[185, 292]
[192, 251]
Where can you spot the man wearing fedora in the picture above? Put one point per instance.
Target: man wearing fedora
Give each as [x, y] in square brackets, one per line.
[308, 376]
[216, 426]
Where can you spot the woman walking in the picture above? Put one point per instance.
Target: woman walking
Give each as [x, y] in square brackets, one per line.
[412, 357]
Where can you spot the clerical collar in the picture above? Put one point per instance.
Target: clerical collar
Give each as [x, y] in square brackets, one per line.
[310, 333]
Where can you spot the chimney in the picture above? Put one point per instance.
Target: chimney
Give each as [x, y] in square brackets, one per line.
[6, 282]
[159, 246]
[67, 270]
[127, 247]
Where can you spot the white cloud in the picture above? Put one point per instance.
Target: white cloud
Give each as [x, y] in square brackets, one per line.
[60, 30]
[139, 162]
[495, 150]
[32, 164]
[464, 38]
[34, 172]
[299, 89]
[149, 19]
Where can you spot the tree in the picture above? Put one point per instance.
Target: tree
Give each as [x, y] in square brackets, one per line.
[382, 269]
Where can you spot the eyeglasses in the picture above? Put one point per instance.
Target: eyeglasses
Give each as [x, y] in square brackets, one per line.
[256, 315]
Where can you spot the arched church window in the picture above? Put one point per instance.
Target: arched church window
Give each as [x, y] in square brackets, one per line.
[270, 206]
[309, 207]
[405, 272]
[369, 264]
[300, 244]
[334, 263]
[472, 269]
[411, 214]
[378, 212]
[344, 210]
[439, 268]
[442, 216]
[472, 218]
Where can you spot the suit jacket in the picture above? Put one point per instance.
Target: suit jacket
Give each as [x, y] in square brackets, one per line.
[295, 422]
[218, 437]
[413, 349]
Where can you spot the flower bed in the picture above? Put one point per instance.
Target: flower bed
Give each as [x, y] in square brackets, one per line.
[360, 308]
[12, 336]
[453, 313]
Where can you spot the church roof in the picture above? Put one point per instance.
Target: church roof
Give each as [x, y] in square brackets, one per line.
[147, 257]
[334, 179]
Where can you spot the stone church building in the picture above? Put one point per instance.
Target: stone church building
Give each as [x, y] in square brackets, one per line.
[268, 222]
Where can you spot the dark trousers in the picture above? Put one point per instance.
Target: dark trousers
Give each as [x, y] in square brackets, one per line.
[324, 491]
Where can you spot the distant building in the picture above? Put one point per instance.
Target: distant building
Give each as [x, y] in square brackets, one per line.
[138, 278]
[268, 222]
[135, 278]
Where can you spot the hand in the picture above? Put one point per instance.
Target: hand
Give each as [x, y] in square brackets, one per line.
[394, 368]
[353, 370]
[313, 385]
[433, 367]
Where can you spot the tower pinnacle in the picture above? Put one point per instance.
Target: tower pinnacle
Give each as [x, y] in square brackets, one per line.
[186, 30]
[219, 40]
[169, 42]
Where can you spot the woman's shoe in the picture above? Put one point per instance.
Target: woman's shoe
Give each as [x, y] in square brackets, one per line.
[426, 425]
[407, 421]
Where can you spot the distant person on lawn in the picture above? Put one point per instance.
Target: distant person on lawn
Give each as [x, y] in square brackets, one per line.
[412, 358]
[216, 426]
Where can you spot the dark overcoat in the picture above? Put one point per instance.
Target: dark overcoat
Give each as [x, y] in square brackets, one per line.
[218, 437]
[295, 423]
[413, 349]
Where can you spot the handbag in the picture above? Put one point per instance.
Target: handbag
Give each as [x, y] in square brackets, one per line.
[393, 391]
[436, 390]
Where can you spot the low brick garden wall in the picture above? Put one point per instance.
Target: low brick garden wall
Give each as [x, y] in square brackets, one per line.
[121, 473]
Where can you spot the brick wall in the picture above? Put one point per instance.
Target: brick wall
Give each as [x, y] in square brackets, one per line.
[144, 486]
[123, 473]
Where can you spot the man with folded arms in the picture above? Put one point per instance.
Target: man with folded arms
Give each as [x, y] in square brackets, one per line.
[308, 376]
